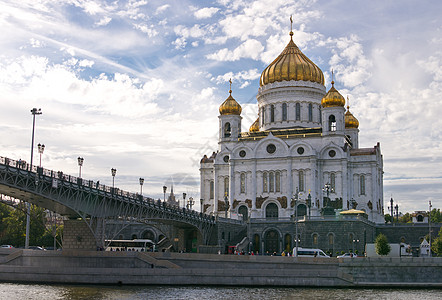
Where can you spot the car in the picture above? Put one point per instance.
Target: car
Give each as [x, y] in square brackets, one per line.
[7, 246]
[345, 255]
[36, 248]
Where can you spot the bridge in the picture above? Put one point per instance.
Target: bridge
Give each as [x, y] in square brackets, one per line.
[96, 204]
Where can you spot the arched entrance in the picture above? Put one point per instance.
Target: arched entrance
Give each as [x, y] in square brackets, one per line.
[271, 211]
[271, 241]
[244, 212]
[302, 210]
[148, 234]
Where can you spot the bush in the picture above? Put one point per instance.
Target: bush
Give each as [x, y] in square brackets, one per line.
[381, 245]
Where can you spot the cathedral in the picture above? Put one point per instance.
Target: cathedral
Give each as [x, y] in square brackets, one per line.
[301, 155]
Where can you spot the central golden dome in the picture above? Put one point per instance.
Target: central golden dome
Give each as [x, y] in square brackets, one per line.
[291, 64]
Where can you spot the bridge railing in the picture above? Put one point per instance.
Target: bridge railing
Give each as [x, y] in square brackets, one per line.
[129, 196]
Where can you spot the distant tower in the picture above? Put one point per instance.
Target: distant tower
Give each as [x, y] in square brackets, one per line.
[333, 112]
[229, 119]
[351, 128]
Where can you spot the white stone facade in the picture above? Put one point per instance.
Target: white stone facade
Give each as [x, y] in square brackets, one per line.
[297, 149]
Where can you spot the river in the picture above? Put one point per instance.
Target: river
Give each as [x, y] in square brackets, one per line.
[12, 291]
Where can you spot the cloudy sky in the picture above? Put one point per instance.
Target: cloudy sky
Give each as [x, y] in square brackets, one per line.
[136, 85]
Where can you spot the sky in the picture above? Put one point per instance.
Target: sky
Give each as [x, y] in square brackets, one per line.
[136, 85]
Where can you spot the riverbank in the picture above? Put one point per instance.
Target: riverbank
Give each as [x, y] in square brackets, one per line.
[164, 268]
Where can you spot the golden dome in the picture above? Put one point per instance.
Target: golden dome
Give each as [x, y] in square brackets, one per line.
[333, 98]
[291, 64]
[255, 126]
[230, 106]
[350, 120]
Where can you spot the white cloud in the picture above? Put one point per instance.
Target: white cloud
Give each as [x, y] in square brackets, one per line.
[103, 21]
[149, 30]
[249, 49]
[162, 9]
[205, 12]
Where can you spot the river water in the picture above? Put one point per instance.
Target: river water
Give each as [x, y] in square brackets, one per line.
[12, 291]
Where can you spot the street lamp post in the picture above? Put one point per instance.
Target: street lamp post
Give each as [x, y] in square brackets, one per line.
[184, 200]
[201, 204]
[397, 212]
[190, 203]
[41, 148]
[327, 210]
[113, 172]
[141, 185]
[429, 226]
[34, 112]
[80, 164]
[355, 241]
[391, 208]
[164, 192]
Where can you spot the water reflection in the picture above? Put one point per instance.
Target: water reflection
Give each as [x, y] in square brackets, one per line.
[13, 291]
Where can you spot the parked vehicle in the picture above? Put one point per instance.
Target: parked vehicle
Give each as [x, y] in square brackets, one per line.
[304, 252]
[7, 246]
[36, 248]
[345, 255]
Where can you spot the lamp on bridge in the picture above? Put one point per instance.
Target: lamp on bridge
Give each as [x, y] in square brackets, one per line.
[355, 241]
[184, 199]
[201, 203]
[397, 212]
[80, 164]
[34, 112]
[113, 172]
[328, 210]
[190, 203]
[164, 192]
[141, 185]
[41, 148]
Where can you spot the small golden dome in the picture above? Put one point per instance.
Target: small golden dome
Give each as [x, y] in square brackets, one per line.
[255, 126]
[350, 120]
[230, 106]
[291, 64]
[333, 98]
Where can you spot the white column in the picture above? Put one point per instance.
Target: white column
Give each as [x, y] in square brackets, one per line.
[231, 183]
[289, 182]
[254, 179]
[215, 190]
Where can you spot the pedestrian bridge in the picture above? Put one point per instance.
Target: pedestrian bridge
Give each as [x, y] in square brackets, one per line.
[95, 203]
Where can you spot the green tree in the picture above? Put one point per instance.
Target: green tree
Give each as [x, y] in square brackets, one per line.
[5, 211]
[406, 218]
[387, 218]
[436, 245]
[15, 223]
[436, 216]
[381, 245]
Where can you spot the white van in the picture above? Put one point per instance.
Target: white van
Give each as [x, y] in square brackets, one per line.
[304, 252]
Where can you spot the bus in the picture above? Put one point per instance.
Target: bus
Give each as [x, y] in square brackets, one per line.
[140, 245]
[304, 252]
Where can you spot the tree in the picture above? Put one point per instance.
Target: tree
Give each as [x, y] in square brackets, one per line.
[381, 245]
[405, 218]
[436, 245]
[436, 216]
[387, 218]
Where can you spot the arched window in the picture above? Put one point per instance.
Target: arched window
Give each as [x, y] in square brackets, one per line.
[243, 183]
[362, 184]
[315, 239]
[272, 113]
[244, 212]
[301, 181]
[277, 182]
[288, 243]
[211, 190]
[271, 182]
[271, 210]
[310, 112]
[226, 186]
[298, 111]
[227, 130]
[264, 182]
[333, 182]
[284, 111]
[331, 239]
[332, 123]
